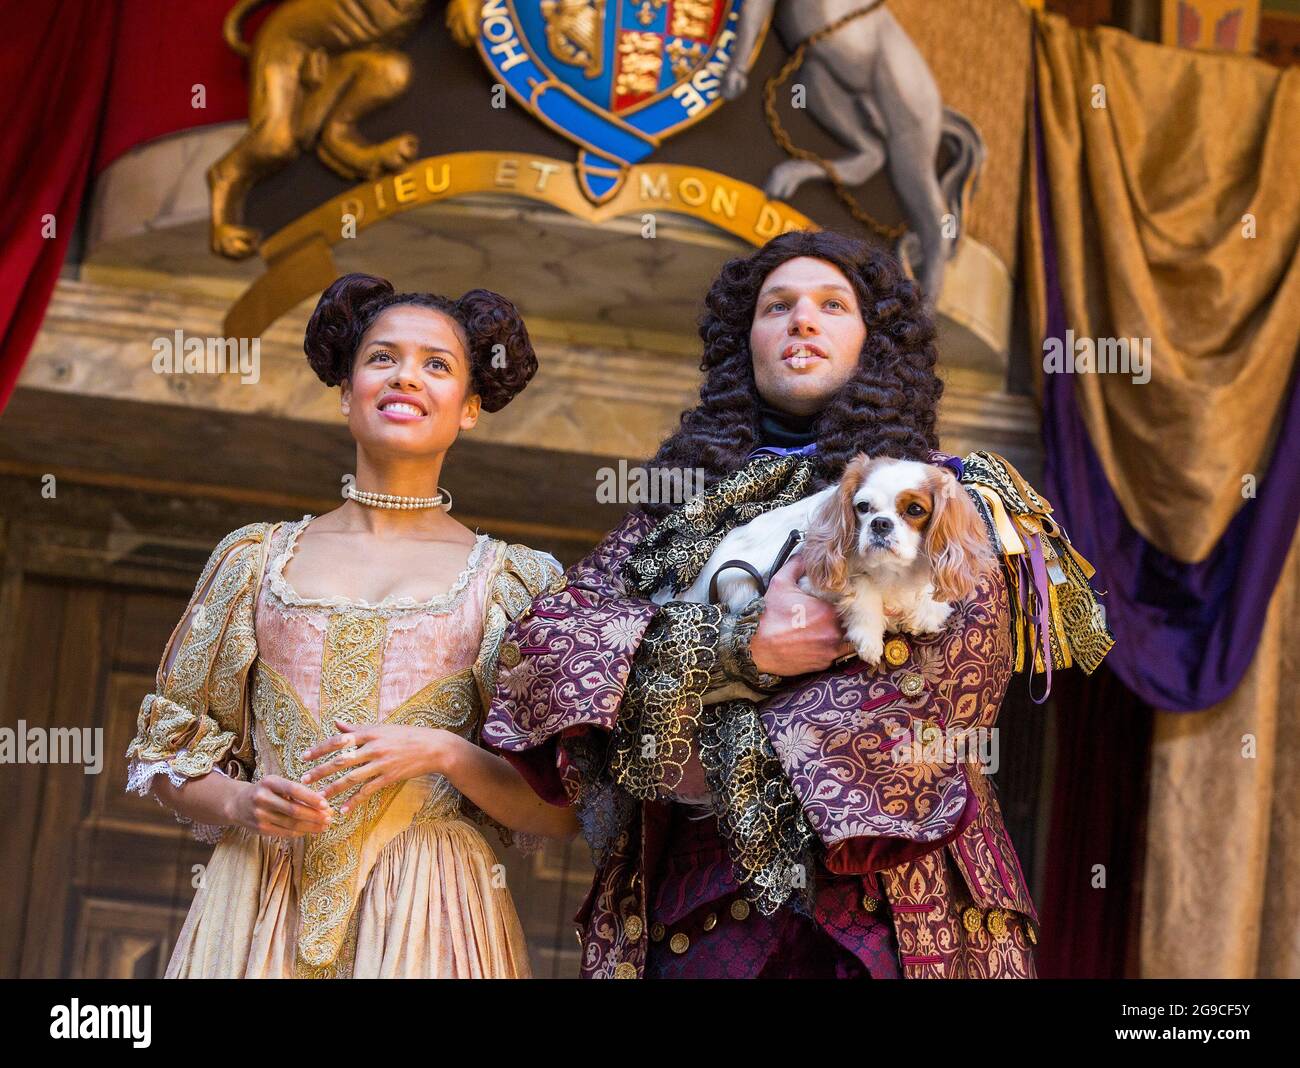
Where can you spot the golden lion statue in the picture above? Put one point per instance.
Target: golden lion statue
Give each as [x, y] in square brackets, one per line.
[316, 67]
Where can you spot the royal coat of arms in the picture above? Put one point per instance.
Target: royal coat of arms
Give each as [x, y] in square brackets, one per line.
[615, 76]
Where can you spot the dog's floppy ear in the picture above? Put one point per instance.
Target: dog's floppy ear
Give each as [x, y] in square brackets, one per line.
[832, 535]
[956, 540]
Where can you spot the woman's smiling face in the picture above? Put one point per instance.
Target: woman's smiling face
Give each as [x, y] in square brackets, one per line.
[410, 390]
[807, 335]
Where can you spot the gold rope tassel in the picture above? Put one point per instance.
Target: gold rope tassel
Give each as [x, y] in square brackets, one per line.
[1077, 630]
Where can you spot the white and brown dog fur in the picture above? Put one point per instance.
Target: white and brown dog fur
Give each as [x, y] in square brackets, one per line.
[890, 545]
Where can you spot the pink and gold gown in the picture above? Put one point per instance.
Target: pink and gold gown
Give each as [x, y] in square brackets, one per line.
[402, 886]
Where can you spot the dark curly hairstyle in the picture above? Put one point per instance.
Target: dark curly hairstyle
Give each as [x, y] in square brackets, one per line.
[887, 408]
[351, 304]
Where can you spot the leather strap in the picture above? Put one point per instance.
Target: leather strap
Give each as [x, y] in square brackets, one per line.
[792, 539]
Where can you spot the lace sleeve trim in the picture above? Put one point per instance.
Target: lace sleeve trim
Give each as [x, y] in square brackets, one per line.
[735, 662]
[139, 780]
[759, 815]
[651, 741]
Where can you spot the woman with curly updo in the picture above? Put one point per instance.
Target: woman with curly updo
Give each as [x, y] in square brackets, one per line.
[318, 708]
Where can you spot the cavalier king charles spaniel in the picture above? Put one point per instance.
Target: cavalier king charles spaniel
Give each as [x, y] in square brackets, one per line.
[890, 546]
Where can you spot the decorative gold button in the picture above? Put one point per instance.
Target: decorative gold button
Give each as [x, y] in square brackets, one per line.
[657, 932]
[997, 924]
[970, 918]
[896, 652]
[1031, 929]
[929, 734]
[870, 903]
[710, 921]
[626, 970]
[911, 684]
[679, 943]
[740, 909]
[633, 928]
[510, 655]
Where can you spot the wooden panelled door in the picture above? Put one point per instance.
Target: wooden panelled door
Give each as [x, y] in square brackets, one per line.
[96, 882]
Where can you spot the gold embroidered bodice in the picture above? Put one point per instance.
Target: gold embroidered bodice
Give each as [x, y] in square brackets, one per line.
[327, 659]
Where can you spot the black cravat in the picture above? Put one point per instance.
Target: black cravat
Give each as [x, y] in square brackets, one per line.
[784, 430]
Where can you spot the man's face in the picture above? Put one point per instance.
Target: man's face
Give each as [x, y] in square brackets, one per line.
[807, 335]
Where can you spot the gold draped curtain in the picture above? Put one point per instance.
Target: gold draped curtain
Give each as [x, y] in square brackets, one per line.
[1162, 163]
[1175, 197]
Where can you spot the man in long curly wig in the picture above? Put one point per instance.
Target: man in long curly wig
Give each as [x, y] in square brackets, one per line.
[782, 837]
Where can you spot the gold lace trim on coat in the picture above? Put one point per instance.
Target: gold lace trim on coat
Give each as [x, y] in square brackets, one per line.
[677, 548]
[759, 816]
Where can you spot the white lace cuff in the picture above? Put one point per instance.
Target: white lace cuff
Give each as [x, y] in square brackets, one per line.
[139, 780]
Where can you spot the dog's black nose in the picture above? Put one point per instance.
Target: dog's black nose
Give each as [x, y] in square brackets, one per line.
[882, 525]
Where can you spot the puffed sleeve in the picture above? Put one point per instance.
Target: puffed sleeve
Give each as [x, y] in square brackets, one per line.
[565, 667]
[197, 719]
[524, 574]
[601, 689]
[607, 685]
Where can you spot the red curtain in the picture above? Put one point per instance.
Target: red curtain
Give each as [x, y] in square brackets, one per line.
[161, 51]
[83, 82]
[54, 65]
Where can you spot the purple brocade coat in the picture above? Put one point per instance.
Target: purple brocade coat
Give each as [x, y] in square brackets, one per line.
[916, 874]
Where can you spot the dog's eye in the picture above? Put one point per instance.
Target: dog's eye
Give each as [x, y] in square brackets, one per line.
[915, 509]
[862, 507]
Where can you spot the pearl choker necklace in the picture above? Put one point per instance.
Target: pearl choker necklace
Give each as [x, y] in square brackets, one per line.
[390, 500]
